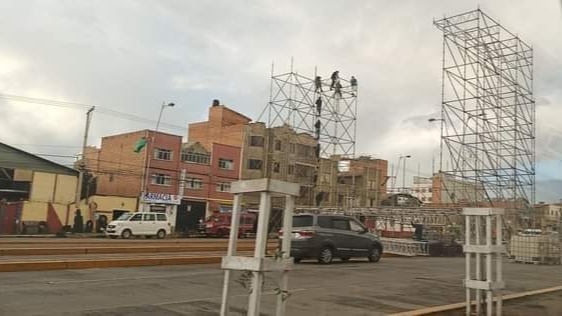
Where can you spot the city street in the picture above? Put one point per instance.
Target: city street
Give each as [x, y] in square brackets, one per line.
[354, 288]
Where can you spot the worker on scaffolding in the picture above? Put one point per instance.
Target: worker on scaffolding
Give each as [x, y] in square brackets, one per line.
[317, 126]
[318, 83]
[318, 106]
[337, 92]
[335, 79]
[353, 82]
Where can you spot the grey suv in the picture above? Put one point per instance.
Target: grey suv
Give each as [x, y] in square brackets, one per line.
[327, 236]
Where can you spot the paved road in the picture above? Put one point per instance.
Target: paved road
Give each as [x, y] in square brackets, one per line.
[354, 288]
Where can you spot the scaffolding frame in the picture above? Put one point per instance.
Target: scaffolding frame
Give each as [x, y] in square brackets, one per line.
[487, 113]
[293, 102]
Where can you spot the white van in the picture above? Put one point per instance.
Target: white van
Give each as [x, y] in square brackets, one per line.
[139, 224]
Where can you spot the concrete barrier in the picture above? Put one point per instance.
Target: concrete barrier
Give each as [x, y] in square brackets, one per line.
[121, 249]
[104, 263]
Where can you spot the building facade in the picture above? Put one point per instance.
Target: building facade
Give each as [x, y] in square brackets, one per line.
[35, 191]
[277, 152]
[187, 181]
[347, 183]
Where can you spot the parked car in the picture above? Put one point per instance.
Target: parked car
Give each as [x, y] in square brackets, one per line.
[325, 237]
[139, 224]
[218, 225]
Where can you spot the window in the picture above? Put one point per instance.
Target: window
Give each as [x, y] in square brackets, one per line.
[304, 171]
[136, 218]
[429, 190]
[226, 164]
[161, 179]
[291, 169]
[150, 217]
[276, 166]
[356, 227]
[193, 183]
[161, 217]
[196, 158]
[256, 141]
[254, 164]
[303, 150]
[278, 145]
[292, 148]
[223, 187]
[340, 223]
[162, 154]
[302, 221]
[325, 221]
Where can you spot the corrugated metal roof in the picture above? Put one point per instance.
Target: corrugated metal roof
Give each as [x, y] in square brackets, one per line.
[13, 158]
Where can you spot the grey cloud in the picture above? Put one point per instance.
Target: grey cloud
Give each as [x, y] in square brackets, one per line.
[132, 55]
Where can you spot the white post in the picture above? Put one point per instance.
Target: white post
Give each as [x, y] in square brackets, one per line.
[499, 277]
[468, 256]
[259, 252]
[285, 251]
[489, 293]
[484, 245]
[259, 264]
[232, 243]
[478, 224]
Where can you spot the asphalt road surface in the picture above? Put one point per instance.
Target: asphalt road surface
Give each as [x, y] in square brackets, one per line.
[354, 288]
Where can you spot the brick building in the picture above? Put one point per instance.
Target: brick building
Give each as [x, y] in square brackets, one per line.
[362, 185]
[278, 152]
[184, 180]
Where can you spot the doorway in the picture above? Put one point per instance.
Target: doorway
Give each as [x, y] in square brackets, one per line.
[188, 215]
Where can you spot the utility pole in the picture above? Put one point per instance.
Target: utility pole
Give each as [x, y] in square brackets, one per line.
[82, 164]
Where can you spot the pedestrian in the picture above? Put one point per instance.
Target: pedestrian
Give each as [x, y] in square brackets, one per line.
[319, 106]
[318, 83]
[353, 82]
[338, 89]
[335, 78]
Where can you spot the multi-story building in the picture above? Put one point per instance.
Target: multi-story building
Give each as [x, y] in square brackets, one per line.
[184, 180]
[278, 152]
[361, 183]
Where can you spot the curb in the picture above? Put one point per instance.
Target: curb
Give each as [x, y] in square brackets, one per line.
[104, 263]
[113, 250]
[457, 306]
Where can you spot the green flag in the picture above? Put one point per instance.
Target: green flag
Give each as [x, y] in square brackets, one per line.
[140, 144]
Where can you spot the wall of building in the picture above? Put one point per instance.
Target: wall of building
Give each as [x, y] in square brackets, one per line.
[50, 197]
[363, 186]
[120, 170]
[224, 126]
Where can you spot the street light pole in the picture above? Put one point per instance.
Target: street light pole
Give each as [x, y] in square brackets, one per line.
[404, 171]
[150, 147]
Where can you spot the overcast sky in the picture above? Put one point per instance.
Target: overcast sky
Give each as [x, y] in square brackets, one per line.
[130, 56]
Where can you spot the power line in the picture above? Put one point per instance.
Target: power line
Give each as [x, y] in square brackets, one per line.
[82, 107]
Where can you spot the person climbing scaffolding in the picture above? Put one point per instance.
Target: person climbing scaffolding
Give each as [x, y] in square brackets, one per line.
[335, 79]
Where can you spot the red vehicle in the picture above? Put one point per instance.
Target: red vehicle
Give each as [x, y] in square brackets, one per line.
[218, 225]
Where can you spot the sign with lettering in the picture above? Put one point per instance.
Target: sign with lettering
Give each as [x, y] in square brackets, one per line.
[161, 198]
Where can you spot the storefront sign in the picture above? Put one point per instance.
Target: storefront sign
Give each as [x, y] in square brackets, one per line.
[160, 198]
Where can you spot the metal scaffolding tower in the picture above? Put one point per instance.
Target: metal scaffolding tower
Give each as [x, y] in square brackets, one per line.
[332, 121]
[488, 112]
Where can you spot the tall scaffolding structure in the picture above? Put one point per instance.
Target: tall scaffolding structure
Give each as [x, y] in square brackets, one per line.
[487, 113]
[293, 101]
[317, 108]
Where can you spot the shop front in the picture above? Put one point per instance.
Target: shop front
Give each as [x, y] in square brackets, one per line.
[161, 203]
